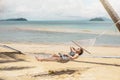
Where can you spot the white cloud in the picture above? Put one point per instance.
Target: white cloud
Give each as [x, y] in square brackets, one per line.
[1, 6]
[55, 9]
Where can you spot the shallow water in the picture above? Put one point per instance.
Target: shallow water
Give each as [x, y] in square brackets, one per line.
[58, 32]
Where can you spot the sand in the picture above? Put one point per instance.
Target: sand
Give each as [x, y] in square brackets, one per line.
[86, 67]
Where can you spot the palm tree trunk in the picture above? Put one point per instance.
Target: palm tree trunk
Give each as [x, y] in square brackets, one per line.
[114, 16]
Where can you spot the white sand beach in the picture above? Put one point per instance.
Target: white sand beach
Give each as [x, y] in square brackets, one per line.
[86, 67]
[30, 29]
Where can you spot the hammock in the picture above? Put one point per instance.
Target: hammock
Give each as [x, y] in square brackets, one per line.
[80, 43]
[87, 42]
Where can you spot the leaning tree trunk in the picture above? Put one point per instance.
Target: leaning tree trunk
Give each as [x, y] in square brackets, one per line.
[112, 13]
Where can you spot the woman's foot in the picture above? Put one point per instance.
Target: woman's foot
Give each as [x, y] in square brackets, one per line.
[38, 58]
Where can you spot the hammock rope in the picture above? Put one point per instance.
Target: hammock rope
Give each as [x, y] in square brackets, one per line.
[87, 42]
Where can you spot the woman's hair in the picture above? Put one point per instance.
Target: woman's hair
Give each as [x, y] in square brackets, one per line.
[80, 51]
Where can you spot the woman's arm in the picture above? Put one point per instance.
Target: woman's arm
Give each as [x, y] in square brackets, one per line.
[72, 49]
[73, 57]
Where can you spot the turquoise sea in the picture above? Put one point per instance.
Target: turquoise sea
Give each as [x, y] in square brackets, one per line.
[59, 32]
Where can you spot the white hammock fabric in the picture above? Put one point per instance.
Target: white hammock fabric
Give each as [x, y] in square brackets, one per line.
[86, 42]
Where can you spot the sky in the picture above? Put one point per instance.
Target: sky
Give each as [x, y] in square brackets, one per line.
[55, 9]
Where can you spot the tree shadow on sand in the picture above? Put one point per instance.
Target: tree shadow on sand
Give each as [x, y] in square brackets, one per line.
[14, 68]
[8, 61]
[1, 79]
[53, 73]
[99, 63]
[10, 54]
[10, 57]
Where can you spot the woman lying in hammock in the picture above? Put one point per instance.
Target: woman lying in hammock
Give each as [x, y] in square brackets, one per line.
[73, 54]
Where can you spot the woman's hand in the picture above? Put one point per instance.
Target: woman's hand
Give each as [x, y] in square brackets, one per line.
[72, 49]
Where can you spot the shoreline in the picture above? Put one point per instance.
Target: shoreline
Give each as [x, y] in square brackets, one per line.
[45, 47]
[55, 43]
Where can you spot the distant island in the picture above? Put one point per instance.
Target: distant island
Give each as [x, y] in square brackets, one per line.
[15, 19]
[97, 19]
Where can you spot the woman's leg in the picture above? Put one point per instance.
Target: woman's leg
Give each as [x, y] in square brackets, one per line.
[53, 58]
[55, 55]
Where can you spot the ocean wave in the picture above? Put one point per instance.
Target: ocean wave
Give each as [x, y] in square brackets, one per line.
[60, 29]
[68, 30]
[54, 30]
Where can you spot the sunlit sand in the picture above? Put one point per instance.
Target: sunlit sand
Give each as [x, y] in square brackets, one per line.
[24, 66]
